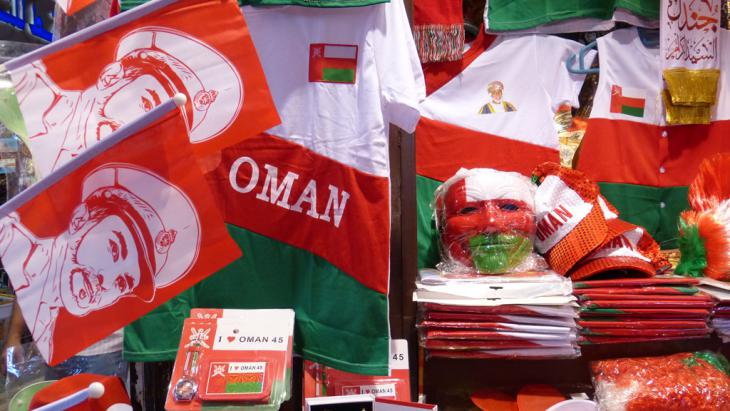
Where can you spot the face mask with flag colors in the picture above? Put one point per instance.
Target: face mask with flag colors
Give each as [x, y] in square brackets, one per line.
[112, 234]
[486, 222]
[704, 230]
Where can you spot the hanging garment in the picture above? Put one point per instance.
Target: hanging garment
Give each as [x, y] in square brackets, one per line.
[560, 16]
[438, 28]
[129, 4]
[309, 201]
[494, 109]
[642, 165]
[690, 48]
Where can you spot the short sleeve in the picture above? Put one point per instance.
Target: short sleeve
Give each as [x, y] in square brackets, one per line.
[552, 53]
[402, 86]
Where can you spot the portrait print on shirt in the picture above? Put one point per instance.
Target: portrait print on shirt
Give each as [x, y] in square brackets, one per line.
[496, 103]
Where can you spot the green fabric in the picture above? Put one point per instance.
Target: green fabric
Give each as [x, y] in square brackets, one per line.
[129, 4]
[244, 387]
[642, 205]
[505, 15]
[632, 111]
[692, 249]
[498, 253]
[338, 75]
[339, 322]
[428, 248]
[716, 360]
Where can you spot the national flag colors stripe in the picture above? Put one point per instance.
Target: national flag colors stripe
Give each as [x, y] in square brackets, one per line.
[652, 192]
[443, 148]
[679, 158]
[631, 106]
[341, 213]
[332, 63]
[332, 270]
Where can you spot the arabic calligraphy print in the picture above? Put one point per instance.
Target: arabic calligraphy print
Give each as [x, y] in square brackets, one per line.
[689, 30]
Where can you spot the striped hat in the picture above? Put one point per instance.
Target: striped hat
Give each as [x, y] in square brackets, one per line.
[570, 219]
[632, 250]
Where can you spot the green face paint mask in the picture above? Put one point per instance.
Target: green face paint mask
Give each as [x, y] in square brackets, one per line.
[498, 253]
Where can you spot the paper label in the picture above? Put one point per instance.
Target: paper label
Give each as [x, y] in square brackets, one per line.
[398, 355]
[235, 336]
[378, 390]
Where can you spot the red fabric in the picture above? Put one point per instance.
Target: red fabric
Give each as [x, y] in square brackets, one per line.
[619, 151]
[144, 198]
[438, 143]
[343, 241]
[439, 73]
[114, 392]
[437, 12]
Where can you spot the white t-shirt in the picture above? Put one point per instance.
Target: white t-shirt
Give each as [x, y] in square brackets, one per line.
[532, 74]
[339, 76]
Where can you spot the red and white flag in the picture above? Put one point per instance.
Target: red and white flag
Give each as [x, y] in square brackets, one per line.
[76, 91]
[111, 235]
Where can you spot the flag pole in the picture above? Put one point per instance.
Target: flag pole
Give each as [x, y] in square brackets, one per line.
[95, 391]
[113, 139]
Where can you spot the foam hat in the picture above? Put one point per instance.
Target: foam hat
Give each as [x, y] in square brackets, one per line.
[83, 392]
[570, 220]
[633, 249]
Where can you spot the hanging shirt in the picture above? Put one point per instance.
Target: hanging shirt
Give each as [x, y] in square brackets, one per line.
[128, 4]
[495, 109]
[642, 165]
[560, 16]
[309, 200]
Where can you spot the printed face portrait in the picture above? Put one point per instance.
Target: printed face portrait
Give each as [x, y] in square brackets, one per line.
[104, 266]
[132, 233]
[123, 94]
[485, 223]
[150, 66]
[495, 89]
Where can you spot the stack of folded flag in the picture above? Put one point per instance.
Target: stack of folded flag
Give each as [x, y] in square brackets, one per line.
[642, 310]
[720, 319]
[520, 315]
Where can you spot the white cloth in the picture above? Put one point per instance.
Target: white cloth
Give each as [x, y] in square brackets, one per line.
[345, 122]
[519, 63]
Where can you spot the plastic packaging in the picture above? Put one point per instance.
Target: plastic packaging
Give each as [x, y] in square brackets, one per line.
[233, 360]
[486, 223]
[323, 381]
[24, 367]
[681, 382]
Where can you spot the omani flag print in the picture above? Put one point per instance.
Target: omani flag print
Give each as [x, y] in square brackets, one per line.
[626, 101]
[332, 63]
[112, 234]
[78, 90]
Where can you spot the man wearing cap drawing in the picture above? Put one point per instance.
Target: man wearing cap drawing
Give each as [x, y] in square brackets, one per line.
[122, 241]
[151, 65]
